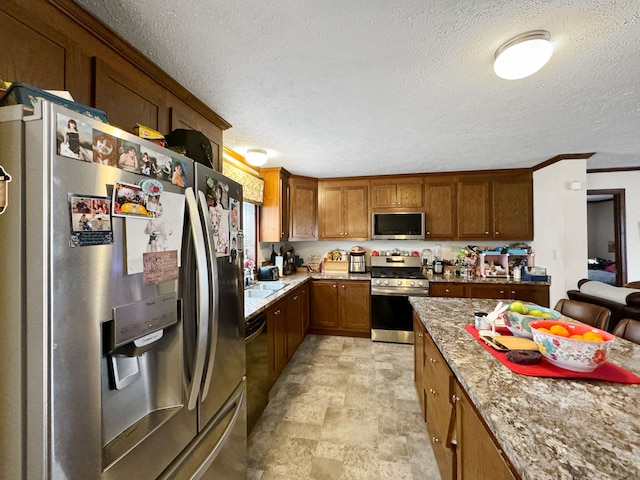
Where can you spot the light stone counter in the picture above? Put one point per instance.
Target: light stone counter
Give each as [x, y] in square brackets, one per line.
[487, 280]
[550, 429]
[253, 306]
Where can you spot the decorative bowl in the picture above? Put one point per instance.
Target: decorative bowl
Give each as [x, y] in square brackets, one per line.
[574, 354]
[518, 323]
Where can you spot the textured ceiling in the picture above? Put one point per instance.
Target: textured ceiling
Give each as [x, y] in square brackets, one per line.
[364, 87]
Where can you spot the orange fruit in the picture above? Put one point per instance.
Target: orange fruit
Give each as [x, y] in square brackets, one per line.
[559, 330]
[592, 337]
[577, 337]
[545, 330]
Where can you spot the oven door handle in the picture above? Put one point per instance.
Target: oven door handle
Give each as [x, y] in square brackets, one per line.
[399, 293]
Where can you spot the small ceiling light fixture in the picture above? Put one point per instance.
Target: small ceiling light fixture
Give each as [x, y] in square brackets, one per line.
[523, 55]
[256, 157]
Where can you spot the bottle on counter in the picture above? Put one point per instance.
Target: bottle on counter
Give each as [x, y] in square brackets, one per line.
[273, 254]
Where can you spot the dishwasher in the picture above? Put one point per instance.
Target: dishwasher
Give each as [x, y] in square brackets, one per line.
[257, 368]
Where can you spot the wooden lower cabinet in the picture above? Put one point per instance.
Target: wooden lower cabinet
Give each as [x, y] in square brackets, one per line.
[340, 307]
[462, 445]
[286, 329]
[418, 362]
[438, 385]
[276, 339]
[538, 294]
[477, 455]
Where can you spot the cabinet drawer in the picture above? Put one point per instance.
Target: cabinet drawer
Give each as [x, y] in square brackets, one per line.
[446, 290]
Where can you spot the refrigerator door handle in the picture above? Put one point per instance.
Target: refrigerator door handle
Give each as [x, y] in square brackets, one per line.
[235, 403]
[202, 297]
[215, 291]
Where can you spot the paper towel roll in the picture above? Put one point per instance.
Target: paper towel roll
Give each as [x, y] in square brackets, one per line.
[279, 264]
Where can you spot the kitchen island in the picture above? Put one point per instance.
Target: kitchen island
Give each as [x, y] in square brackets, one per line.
[545, 428]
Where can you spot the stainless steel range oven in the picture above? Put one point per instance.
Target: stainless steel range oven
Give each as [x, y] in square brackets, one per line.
[395, 278]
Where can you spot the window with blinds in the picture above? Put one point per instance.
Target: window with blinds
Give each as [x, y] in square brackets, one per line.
[249, 212]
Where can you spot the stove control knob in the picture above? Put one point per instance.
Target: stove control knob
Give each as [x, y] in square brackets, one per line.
[421, 283]
[399, 282]
[412, 283]
[385, 282]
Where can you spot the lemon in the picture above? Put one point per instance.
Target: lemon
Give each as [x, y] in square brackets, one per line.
[535, 313]
[547, 315]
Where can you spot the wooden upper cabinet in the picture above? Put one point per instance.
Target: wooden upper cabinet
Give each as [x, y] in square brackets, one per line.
[274, 214]
[497, 206]
[303, 223]
[397, 193]
[127, 101]
[343, 209]
[474, 208]
[513, 207]
[440, 207]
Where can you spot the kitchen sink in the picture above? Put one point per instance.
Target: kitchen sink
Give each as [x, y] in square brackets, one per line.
[271, 286]
[253, 293]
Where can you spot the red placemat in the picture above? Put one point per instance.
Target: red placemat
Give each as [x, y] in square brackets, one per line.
[607, 372]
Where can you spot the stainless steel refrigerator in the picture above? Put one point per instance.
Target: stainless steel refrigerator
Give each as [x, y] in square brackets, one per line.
[122, 344]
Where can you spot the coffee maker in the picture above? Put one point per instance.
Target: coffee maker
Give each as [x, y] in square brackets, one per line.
[288, 259]
[357, 260]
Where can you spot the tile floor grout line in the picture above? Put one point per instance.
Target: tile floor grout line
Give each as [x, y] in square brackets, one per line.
[343, 408]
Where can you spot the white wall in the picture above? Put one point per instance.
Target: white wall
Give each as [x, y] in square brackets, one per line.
[628, 180]
[560, 225]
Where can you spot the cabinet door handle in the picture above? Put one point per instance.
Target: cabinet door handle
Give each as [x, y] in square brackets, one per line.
[428, 233]
[344, 286]
[432, 360]
[420, 335]
[295, 297]
[435, 439]
[501, 292]
[497, 233]
[334, 285]
[432, 391]
[446, 290]
[486, 233]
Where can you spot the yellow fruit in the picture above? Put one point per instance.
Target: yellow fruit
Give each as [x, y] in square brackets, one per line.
[545, 330]
[576, 337]
[525, 309]
[592, 337]
[559, 330]
[535, 313]
[546, 315]
[516, 307]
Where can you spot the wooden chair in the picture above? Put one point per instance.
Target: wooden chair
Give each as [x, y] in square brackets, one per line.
[633, 285]
[628, 329]
[588, 313]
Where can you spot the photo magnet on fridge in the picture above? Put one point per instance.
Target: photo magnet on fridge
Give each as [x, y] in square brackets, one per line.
[90, 218]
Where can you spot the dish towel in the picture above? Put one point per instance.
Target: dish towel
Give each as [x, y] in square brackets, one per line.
[607, 372]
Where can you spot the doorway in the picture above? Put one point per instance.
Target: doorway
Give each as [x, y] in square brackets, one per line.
[613, 222]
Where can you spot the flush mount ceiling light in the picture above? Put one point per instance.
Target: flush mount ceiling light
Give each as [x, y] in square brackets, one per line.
[523, 55]
[256, 157]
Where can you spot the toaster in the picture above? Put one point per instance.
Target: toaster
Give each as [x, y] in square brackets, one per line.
[268, 273]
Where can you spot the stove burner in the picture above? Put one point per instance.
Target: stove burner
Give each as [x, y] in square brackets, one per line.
[389, 272]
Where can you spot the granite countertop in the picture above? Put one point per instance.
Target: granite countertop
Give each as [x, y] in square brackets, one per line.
[553, 429]
[490, 280]
[253, 306]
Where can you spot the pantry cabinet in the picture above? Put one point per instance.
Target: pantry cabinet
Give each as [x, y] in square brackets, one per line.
[343, 210]
[498, 206]
[397, 193]
[304, 207]
[440, 207]
[340, 307]
[463, 446]
[529, 292]
[274, 214]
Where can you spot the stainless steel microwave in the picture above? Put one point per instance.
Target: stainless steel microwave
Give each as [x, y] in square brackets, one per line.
[397, 226]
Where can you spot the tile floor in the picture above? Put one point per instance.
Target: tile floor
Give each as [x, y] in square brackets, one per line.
[344, 408]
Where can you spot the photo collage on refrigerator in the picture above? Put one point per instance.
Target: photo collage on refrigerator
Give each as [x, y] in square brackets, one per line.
[153, 217]
[224, 218]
